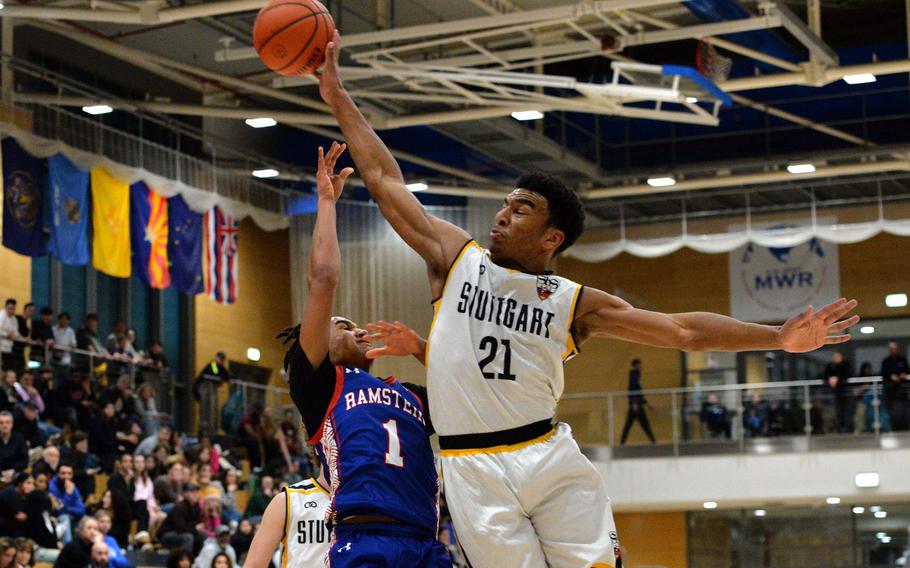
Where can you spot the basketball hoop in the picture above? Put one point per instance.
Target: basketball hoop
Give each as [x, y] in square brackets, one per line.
[712, 64]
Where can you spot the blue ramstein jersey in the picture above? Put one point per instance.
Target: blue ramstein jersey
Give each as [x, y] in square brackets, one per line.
[375, 448]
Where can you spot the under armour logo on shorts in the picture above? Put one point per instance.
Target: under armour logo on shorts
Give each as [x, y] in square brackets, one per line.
[346, 547]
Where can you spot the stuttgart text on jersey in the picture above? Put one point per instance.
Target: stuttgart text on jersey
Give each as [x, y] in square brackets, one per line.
[482, 305]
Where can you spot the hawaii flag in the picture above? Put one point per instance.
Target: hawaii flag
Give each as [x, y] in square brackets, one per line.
[149, 223]
[111, 221]
[220, 256]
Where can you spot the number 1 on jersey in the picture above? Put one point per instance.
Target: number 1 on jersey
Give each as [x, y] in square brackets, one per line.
[393, 456]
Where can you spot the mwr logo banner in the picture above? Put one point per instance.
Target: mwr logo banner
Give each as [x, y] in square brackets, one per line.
[771, 284]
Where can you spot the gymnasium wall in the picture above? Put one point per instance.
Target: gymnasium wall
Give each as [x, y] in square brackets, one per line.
[692, 281]
[653, 539]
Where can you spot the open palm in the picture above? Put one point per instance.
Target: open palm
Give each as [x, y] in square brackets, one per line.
[328, 183]
[811, 330]
[399, 339]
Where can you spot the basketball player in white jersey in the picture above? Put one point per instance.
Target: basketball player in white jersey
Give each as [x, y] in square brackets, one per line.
[519, 490]
[294, 519]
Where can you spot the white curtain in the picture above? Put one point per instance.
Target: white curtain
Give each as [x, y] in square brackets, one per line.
[382, 278]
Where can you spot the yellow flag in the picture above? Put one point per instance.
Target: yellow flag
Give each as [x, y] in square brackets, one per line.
[111, 221]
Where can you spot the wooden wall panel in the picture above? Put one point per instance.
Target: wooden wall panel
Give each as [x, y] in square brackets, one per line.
[655, 540]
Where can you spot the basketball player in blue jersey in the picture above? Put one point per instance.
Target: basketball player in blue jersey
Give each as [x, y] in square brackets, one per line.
[372, 435]
[519, 490]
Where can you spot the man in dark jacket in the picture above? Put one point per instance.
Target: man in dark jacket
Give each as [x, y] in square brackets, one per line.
[78, 553]
[25, 423]
[836, 374]
[13, 451]
[182, 527]
[12, 505]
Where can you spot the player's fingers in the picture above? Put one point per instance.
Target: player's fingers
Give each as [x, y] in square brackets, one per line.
[842, 325]
[377, 353]
[824, 312]
[835, 339]
[345, 174]
[841, 311]
[803, 317]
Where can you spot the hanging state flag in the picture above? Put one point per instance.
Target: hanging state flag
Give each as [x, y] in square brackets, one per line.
[150, 230]
[69, 211]
[111, 221]
[185, 247]
[23, 213]
[220, 257]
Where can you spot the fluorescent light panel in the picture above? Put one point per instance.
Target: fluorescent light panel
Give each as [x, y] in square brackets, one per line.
[262, 122]
[265, 173]
[881, 515]
[97, 109]
[859, 510]
[833, 500]
[801, 168]
[691, 100]
[709, 505]
[760, 512]
[527, 115]
[860, 79]
[417, 186]
[896, 300]
[662, 181]
[868, 479]
[867, 329]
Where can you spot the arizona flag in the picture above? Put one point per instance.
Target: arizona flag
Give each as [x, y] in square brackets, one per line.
[220, 256]
[111, 221]
[149, 224]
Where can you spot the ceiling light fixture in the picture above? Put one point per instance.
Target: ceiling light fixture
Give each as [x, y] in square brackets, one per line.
[527, 115]
[662, 181]
[868, 479]
[253, 354]
[860, 79]
[97, 109]
[881, 515]
[760, 512]
[265, 173]
[885, 539]
[691, 100]
[896, 300]
[262, 122]
[867, 329]
[801, 168]
[859, 510]
[709, 504]
[417, 186]
[833, 500]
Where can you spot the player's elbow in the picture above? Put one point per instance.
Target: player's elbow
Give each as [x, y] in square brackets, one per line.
[324, 276]
[689, 341]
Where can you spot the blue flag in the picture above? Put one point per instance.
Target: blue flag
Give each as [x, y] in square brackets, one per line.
[69, 211]
[23, 213]
[185, 247]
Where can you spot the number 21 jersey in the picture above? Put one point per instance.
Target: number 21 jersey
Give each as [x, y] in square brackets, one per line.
[497, 346]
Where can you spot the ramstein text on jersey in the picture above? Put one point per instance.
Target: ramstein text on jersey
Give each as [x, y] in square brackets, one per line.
[482, 305]
[382, 395]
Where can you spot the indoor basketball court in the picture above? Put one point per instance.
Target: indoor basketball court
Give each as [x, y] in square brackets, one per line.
[173, 201]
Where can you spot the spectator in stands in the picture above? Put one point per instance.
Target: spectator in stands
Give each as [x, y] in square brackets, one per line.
[215, 546]
[160, 438]
[100, 554]
[183, 524]
[129, 436]
[263, 492]
[43, 334]
[117, 554]
[71, 506]
[85, 464]
[8, 396]
[121, 395]
[145, 509]
[87, 337]
[157, 462]
[73, 402]
[27, 392]
[156, 356]
[715, 417]
[896, 387]
[65, 340]
[40, 526]
[868, 397]
[10, 354]
[102, 437]
[147, 409]
[49, 462]
[208, 487]
[13, 450]
[169, 487]
[179, 558]
[756, 414]
[118, 331]
[835, 377]
[637, 405]
[7, 553]
[24, 321]
[118, 506]
[211, 515]
[122, 477]
[25, 422]
[231, 485]
[243, 538]
[13, 517]
[209, 453]
[222, 560]
[25, 553]
[77, 552]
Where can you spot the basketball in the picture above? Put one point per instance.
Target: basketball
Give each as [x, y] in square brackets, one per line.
[290, 36]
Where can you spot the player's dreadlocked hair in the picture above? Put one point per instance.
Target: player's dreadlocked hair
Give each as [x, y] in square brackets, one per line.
[289, 334]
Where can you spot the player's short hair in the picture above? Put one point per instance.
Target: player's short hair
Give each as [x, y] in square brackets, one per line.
[566, 210]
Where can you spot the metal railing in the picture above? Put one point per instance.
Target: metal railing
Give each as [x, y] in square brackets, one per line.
[737, 417]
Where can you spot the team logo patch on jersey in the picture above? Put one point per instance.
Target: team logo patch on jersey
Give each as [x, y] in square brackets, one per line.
[546, 286]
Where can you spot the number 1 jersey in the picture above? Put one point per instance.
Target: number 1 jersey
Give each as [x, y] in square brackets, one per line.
[496, 349]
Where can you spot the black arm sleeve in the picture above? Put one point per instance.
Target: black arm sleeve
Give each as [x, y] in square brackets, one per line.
[311, 389]
[421, 393]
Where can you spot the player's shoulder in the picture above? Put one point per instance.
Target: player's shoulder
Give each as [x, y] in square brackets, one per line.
[305, 487]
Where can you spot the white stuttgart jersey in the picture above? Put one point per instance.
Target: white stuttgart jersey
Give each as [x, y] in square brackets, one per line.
[496, 349]
[306, 537]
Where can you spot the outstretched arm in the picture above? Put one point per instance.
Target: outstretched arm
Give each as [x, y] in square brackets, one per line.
[602, 315]
[269, 534]
[324, 265]
[436, 241]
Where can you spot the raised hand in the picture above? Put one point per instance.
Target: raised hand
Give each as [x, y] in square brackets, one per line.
[399, 339]
[811, 330]
[328, 183]
[329, 80]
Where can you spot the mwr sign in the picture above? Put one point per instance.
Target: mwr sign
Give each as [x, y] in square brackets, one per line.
[772, 284]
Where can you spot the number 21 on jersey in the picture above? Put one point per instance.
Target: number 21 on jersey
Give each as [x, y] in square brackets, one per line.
[490, 348]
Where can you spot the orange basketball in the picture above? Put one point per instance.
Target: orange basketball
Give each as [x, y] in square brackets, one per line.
[290, 35]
